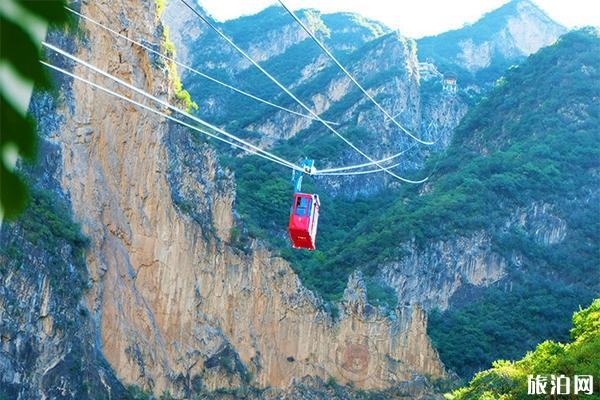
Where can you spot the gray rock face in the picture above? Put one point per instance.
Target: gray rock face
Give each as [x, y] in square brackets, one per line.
[431, 276]
[541, 223]
[172, 321]
[177, 305]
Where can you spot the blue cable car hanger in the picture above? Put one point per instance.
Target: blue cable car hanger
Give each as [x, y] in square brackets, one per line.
[308, 167]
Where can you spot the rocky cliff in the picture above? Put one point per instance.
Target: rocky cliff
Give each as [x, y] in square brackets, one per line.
[168, 290]
[174, 304]
[433, 275]
[50, 346]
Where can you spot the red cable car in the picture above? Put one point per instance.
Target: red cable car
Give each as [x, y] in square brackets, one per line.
[303, 221]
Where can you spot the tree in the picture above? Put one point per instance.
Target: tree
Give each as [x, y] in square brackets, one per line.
[20, 51]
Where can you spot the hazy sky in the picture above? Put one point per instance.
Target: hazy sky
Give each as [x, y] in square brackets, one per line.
[416, 18]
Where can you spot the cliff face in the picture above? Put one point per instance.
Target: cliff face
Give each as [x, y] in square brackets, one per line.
[525, 31]
[265, 35]
[384, 62]
[169, 293]
[49, 343]
[433, 275]
[178, 306]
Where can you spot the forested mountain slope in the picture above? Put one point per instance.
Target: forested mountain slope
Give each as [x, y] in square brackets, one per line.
[127, 270]
[530, 159]
[493, 225]
[512, 206]
[385, 62]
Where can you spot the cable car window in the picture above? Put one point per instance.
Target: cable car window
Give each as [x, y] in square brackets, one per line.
[303, 206]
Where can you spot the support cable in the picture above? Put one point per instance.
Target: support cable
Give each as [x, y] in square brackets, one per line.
[332, 170]
[322, 46]
[191, 69]
[282, 87]
[166, 104]
[167, 116]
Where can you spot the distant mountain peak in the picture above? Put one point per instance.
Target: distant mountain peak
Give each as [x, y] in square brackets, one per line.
[499, 38]
[522, 7]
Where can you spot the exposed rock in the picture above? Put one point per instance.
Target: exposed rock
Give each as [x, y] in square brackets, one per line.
[48, 346]
[430, 276]
[540, 223]
[175, 303]
[385, 63]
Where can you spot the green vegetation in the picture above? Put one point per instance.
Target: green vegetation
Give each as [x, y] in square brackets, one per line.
[47, 220]
[19, 49]
[508, 380]
[47, 224]
[245, 29]
[339, 22]
[547, 156]
[504, 158]
[134, 392]
[287, 67]
[315, 23]
[180, 93]
[494, 323]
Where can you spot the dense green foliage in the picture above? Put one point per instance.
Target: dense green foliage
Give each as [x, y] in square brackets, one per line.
[508, 380]
[341, 36]
[533, 140]
[535, 156]
[180, 93]
[287, 67]
[485, 321]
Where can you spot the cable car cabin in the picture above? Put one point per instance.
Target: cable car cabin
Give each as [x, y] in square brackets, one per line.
[303, 220]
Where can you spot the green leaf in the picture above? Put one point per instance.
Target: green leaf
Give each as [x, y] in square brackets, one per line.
[17, 129]
[20, 50]
[13, 193]
[52, 11]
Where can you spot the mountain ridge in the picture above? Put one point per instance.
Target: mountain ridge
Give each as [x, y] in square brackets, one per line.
[488, 46]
